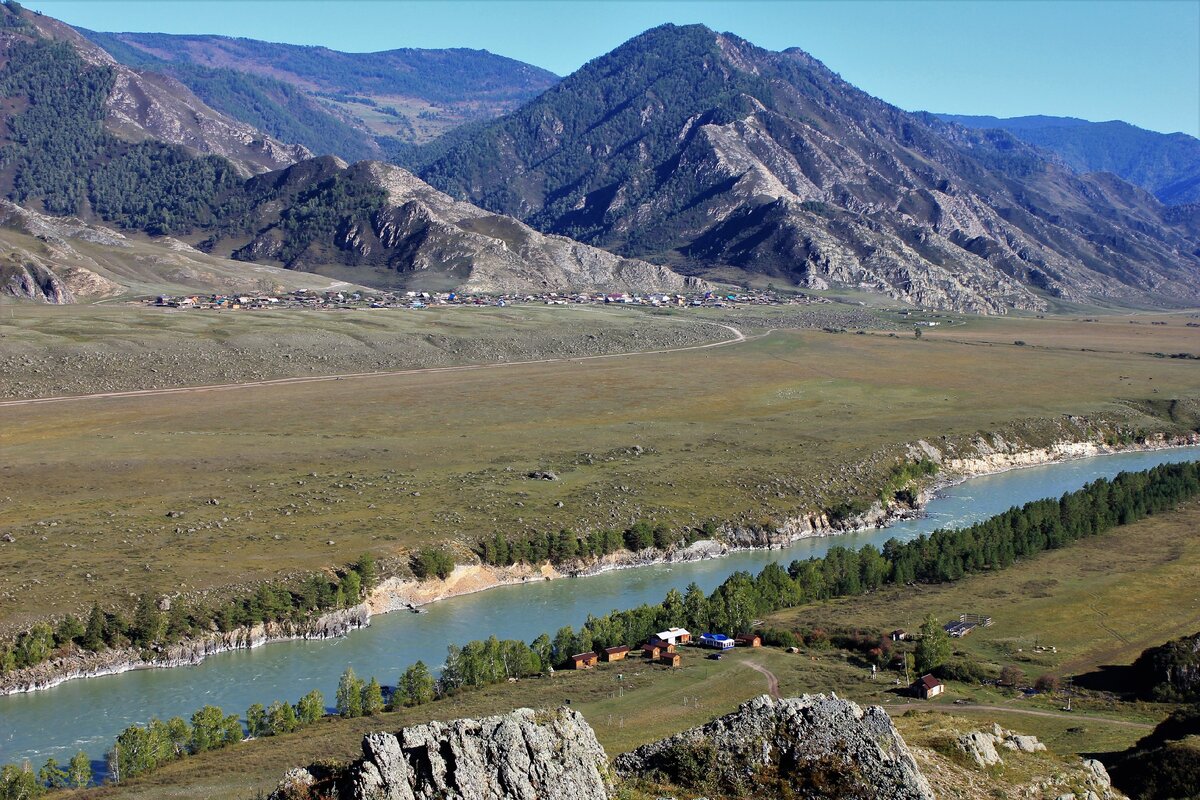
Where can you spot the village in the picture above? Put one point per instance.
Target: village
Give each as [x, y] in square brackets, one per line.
[359, 300]
[665, 649]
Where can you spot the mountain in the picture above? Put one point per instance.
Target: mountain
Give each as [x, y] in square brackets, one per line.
[76, 146]
[353, 105]
[701, 151]
[379, 224]
[1165, 164]
[45, 61]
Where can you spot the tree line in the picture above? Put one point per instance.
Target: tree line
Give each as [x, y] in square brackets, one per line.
[152, 626]
[943, 556]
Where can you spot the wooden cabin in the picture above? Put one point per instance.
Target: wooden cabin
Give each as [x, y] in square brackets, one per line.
[748, 640]
[928, 687]
[584, 660]
[616, 653]
[670, 659]
[653, 650]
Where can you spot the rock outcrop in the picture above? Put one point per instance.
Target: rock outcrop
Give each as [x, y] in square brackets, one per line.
[980, 746]
[796, 746]
[525, 755]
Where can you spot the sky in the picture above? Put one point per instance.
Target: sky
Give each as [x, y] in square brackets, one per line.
[1137, 61]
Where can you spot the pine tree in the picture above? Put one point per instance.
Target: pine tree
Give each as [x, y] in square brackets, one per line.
[93, 634]
[416, 687]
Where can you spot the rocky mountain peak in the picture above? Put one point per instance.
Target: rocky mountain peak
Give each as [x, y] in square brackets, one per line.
[699, 149]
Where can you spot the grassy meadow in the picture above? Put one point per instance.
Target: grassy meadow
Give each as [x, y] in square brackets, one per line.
[272, 481]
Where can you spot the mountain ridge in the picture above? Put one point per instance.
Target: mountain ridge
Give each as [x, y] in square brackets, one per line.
[1165, 164]
[700, 150]
[354, 105]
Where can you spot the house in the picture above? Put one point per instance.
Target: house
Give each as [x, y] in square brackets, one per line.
[928, 687]
[748, 640]
[670, 659]
[673, 636]
[584, 660]
[653, 649]
[716, 641]
[616, 653]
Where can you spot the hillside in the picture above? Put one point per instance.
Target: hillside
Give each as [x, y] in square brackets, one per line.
[703, 151]
[45, 59]
[65, 154]
[353, 105]
[1165, 164]
[379, 224]
[63, 260]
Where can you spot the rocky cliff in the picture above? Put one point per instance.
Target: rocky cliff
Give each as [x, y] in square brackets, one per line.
[525, 755]
[809, 746]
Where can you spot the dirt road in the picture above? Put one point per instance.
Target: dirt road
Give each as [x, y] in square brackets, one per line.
[772, 681]
[736, 338]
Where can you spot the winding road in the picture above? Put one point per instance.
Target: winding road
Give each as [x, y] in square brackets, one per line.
[772, 681]
[736, 338]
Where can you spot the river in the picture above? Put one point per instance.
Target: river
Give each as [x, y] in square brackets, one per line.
[88, 714]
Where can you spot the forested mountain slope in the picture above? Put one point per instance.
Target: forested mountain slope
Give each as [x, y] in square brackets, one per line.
[700, 150]
[1165, 164]
[63, 156]
[47, 64]
[353, 105]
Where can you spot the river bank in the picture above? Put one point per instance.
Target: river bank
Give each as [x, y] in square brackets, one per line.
[958, 462]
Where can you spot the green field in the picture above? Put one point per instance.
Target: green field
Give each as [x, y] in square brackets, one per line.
[307, 476]
[1135, 575]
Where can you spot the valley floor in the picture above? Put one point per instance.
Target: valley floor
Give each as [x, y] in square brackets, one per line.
[210, 492]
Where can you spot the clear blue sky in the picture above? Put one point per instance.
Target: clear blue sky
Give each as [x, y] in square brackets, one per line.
[1109, 59]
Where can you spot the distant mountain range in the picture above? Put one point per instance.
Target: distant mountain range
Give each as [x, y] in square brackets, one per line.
[1164, 164]
[352, 105]
[699, 150]
[682, 151]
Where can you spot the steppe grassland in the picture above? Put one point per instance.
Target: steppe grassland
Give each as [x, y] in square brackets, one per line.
[308, 476]
[1150, 561]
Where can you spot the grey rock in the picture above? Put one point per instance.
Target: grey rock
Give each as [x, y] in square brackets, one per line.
[857, 750]
[525, 755]
[980, 748]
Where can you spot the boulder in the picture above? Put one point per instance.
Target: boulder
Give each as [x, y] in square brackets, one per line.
[980, 748]
[789, 747]
[525, 755]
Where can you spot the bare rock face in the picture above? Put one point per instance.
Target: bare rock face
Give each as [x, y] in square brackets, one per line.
[809, 746]
[525, 755]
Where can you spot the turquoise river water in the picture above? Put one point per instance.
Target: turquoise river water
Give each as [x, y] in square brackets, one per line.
[88, 714]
